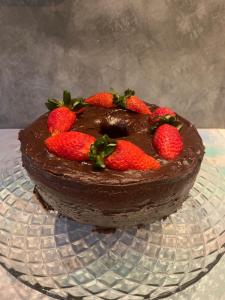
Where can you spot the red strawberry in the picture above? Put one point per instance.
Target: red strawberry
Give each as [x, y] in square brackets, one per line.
[134, 103]
[128, 156]
[162, 115]
[160, 112]
[168, 141]
[61, 119]
[103, 99]
[121, 155]
[127, 101]
[72, 145]
[131, 102]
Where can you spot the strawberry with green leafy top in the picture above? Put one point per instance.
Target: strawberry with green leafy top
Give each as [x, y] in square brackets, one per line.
[127, 101]
[131, 102]
[104, 152]
[160, 113]
[168, 141]
[163, 115]
[120, 155]
[62, 115]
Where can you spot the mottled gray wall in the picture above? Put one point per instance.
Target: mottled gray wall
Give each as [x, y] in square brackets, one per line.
[172, 52]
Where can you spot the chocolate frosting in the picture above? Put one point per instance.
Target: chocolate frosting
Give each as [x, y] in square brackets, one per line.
[111, 198]
[93, 121]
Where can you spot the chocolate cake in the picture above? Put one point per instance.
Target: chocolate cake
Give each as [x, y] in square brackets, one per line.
[112, 198]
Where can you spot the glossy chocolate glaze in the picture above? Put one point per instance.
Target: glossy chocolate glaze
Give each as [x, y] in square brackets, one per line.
[111, 198]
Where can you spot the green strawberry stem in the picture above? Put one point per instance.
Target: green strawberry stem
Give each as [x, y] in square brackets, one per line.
[53, 103]
[78, 103]
[73, 104]
[128, 93]
[100, 149]
[167, 119]
[120, 100]
[66, 98]
[99, 162]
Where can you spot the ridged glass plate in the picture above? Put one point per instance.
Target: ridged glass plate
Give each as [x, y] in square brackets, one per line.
[68, 260]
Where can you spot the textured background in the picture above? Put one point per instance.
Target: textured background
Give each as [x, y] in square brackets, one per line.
[172, 52]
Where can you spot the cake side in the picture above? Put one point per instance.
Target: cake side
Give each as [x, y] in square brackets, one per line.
[116, 206]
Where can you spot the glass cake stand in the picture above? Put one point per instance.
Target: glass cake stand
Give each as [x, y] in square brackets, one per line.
[67, 260]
